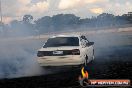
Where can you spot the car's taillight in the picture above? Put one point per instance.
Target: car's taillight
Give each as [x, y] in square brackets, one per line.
[40, 54]
[76, 52]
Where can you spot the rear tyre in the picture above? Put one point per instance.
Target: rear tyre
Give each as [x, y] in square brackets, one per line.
[93, 57]
[86, 61]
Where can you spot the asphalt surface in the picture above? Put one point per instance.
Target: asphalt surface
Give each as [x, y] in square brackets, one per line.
[113, 60]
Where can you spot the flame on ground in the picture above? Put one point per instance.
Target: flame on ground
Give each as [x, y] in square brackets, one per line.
[84, 74]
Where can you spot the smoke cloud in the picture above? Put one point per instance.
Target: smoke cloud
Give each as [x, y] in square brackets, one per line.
[17, 60]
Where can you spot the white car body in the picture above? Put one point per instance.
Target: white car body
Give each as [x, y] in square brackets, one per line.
[79, 54]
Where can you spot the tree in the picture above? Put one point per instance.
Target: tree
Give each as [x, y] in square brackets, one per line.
[27, 18]
[105, 20]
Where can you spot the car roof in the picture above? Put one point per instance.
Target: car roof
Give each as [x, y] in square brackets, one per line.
[65, 36]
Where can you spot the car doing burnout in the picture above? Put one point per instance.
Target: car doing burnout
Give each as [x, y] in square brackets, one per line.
[66, 50]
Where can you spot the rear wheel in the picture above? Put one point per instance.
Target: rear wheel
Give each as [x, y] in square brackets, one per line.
[86, 61]
[93, 57]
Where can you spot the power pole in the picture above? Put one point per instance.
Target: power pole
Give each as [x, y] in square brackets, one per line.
[1, 12]
[1, 20]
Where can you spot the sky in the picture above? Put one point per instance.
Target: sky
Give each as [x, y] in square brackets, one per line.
[15, 9]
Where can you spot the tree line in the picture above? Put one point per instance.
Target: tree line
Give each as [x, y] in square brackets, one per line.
[63, 22]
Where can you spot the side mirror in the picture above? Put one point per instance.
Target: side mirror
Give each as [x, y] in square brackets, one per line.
[90, 43]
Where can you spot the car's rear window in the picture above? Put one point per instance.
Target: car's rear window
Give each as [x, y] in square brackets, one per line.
[62, 41]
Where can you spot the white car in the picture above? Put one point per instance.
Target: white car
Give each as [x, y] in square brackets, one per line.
[64, 50]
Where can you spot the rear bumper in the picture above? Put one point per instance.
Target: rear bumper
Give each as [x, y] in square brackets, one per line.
[68, 60]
